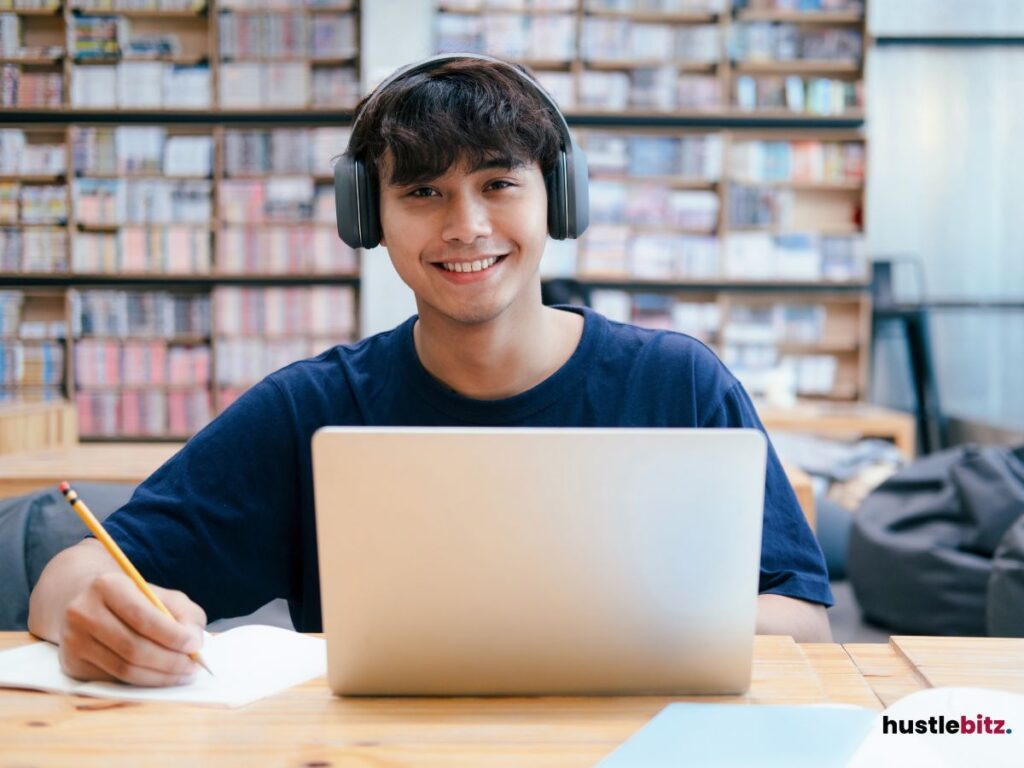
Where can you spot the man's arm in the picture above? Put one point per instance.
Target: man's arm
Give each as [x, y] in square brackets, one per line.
[105, 626]
[780, 615]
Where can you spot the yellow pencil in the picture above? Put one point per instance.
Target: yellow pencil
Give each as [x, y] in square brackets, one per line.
[122, 560]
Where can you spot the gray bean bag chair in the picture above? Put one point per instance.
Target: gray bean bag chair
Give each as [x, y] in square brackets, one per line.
[34, 528]
[923, 544]
[1005, 605]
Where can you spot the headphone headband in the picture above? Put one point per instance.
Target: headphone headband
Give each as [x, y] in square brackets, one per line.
[356, 200]
[442, 58]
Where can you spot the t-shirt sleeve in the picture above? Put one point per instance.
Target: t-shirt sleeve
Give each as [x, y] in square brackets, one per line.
[791, 560]
[219, 520]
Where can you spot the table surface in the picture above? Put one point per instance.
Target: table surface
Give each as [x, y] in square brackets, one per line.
[306, 726]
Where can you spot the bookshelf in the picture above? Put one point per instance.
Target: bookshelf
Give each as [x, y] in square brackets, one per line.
[177, 289]
[204, 56]
[175, 186]
[727, 171]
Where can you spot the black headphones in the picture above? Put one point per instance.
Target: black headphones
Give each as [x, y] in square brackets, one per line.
[355, 199]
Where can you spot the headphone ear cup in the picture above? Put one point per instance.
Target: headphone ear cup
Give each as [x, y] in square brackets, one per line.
[355, 204]
[557, 214]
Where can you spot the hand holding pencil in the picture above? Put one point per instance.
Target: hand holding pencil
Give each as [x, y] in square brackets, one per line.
[109, 633]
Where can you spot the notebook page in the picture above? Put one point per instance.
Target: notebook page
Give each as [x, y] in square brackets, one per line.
[249, 663]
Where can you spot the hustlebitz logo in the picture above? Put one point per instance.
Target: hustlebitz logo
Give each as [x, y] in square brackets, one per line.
[963, 725]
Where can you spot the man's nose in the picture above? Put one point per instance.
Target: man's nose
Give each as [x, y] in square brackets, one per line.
[466, 219]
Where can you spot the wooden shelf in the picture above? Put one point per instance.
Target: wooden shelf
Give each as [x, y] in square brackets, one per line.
[821, 347]
[802, 17]
[676, 182]
[339, 61]
[820, 229]
[712, 284]
[141, 13]
[34, 224]
[33, 61]
[804, 186]
[54, 11]
[656, 17]
[721, 114]
[97, 227]
[443, 8]
[178, 340]
[273, 224]
[32, 178]
[89, 388]
[617, 65]
[137, 176]
[798, 66]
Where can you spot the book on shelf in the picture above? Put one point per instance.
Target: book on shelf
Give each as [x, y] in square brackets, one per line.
[762, 41]
[252, 85]
[94, 37]
[171, 250]
[333, 36]
[139, 314]
[322, 311]
[141, 85]
[262, 36]
[513, 36]
[33, 203]
[288, 250]
[283, 151]
[116, 202]
[44, 250]
[136, 150]
[794, 256]
[19, 88]
[21, 157]
[31, 363]
[561, 86]
[797, 161]
[793, 93]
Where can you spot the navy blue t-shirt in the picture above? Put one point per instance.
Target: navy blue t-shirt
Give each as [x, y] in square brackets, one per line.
[229, 519]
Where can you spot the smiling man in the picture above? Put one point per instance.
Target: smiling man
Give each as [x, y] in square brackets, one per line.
[460, 158]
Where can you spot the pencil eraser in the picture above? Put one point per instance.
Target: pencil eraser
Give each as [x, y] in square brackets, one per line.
[65, 487]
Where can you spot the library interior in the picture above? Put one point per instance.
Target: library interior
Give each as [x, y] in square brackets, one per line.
[825, 193]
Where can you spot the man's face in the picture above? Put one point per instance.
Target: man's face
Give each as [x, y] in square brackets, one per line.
[469, 242]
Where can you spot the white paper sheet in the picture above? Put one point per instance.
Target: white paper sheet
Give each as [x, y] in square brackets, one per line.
[249, 663]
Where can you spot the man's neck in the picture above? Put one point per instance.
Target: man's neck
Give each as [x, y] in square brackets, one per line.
[501, 358]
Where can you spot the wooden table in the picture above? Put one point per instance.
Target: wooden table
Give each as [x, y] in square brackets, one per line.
[844, 421]
[306, 726]
[134, 462]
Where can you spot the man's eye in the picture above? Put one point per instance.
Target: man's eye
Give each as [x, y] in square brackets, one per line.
[501, 184]
[422, 192]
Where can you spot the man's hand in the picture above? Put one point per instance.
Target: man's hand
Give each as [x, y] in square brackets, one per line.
[112, 632]
[105, 626]
[805, 622]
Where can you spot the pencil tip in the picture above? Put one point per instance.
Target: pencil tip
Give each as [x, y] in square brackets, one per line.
[65, 487]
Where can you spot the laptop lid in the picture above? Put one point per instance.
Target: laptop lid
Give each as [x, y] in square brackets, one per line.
[538, 561]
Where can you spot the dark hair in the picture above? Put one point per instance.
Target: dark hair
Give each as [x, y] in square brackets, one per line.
[464, 110]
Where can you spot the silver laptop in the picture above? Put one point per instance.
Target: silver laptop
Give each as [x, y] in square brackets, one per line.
[538, 561]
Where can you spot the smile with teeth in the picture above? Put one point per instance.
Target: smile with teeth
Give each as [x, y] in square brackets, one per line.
[471, 266]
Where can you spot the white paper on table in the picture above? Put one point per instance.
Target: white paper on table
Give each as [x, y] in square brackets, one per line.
[249, 663]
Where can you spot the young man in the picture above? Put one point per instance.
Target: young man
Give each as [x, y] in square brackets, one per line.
[459, 154]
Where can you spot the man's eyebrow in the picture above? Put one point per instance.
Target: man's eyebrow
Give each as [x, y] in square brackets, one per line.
[506, 163]
[503, 162]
